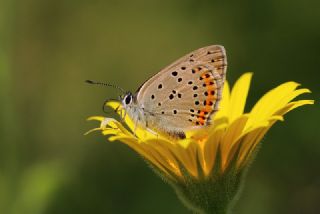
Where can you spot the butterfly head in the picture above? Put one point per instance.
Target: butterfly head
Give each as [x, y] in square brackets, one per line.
[126, 99]
[128, 105]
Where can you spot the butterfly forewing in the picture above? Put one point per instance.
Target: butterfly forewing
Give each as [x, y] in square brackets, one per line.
[186, 93]
[213, 55]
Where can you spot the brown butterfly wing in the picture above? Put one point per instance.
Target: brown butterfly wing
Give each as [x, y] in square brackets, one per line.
[186, 93]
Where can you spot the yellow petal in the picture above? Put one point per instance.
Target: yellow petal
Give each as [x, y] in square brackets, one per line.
[249, 142]
[149, 153]
[114, 104]
[99, 118]
[238, 96]
[162, 152]
[187, 156]
[232, 133]
[271, 101]
[113, 132]
[224, 103]
[115, 125]
[92, 130]
[210, 149]
[292, 105]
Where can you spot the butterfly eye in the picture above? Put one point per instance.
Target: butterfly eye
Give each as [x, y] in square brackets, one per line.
[128, 99]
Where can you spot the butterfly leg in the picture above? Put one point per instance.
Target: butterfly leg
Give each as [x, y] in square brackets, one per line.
[152, 132]
[135, 126]
[123, 115]
[116, 111]
[146, 124]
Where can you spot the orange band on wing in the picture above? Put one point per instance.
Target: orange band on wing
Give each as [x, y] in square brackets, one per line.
[211, 87]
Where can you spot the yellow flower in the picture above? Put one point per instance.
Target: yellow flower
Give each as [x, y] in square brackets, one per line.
[214, 152]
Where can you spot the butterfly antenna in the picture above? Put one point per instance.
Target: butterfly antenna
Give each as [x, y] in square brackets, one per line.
[105, 84]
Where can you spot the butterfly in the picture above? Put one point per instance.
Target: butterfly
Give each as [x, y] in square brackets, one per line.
[183, 96]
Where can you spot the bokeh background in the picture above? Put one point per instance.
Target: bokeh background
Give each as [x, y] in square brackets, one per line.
[48, 48]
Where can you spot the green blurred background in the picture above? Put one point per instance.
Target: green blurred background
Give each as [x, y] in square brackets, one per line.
[47, 50]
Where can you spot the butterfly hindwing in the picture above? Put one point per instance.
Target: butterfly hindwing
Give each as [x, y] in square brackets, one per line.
[185, 94]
